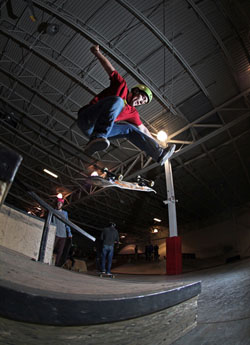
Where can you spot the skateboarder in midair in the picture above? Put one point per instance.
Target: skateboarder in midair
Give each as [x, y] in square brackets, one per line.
[100, 120]
[109, 237]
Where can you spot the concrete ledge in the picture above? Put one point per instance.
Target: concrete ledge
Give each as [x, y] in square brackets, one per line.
[54, 308]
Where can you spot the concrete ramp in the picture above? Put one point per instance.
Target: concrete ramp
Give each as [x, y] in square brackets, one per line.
[99, 310]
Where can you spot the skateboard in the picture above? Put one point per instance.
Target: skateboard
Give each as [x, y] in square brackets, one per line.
[140, 180]
[105, 183]
[105, 275]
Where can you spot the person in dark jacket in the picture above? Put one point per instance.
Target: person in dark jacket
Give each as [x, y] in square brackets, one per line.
[109, 237]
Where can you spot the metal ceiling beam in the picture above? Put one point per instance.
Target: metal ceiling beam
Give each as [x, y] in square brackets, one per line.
[80, 26]
[41, 148]
[238, 154]
[204, 184]
[84, 199]
[145, 21]
[196, 143]
[230, 64]
[41, 55]
[204, 154]
[62, 70]
[54, 104]
[210, 113]
[214, 34]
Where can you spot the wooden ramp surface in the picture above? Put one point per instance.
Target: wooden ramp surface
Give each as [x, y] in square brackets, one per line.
[46, 295]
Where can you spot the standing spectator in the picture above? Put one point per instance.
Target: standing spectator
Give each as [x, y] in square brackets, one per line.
[150, 251]
[156, 252]
[136, 252]
[62, 233]
[146, 252]
[109, 236]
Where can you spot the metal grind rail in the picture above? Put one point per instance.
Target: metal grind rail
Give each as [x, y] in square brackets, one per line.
[51, 212]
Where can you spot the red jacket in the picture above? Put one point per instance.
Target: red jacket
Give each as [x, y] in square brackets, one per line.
[118, 87]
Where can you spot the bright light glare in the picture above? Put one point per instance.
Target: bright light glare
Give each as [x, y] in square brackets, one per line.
[94, 173]
[162, 136]
[157, 220]
[155, 230]
[59, 196]
[50, 173]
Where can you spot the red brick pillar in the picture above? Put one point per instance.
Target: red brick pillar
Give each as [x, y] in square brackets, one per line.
[174, 255]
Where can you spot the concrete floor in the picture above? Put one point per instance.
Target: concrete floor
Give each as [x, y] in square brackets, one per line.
[223, 306]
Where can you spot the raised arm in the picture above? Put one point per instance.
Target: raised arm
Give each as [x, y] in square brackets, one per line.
[103, 60]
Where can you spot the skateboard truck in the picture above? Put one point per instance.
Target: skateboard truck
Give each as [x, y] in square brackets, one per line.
[144, 182]
[111, 176]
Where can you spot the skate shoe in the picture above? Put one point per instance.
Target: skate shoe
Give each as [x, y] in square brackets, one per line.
[166, 154]
[96, 144]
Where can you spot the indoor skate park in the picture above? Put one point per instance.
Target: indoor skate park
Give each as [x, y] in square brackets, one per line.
[180, 270]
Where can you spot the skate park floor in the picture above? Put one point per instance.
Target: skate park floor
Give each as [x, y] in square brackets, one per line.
[223, 305]
[224, 302]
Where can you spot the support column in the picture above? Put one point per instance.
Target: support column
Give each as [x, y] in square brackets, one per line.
[170, 200]
[173, 242]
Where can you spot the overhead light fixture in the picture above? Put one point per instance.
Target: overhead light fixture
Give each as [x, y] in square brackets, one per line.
[50, 173]
[94, 173]
[157, 220]
[155, 231]
[47, 28]
[162, 136]
[59, 196]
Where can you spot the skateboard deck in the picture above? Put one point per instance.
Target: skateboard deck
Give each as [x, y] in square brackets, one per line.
[103, 183]
[105, 275]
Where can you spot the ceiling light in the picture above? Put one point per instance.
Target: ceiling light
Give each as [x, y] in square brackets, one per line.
[47, 28]
[157, 220]
[155, 231]
[94, 173]
[162, 136]
[59, 196]
[50, 173]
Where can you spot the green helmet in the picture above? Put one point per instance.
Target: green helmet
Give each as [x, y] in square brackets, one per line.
[146, 90]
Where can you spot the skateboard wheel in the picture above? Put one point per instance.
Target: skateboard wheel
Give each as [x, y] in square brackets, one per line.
[120, 177]
[151, 183]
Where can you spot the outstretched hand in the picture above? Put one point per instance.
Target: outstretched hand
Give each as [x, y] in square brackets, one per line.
[103, 60]
[95, 49]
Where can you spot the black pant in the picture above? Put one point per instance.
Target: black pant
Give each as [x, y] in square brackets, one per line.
[58, 249]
